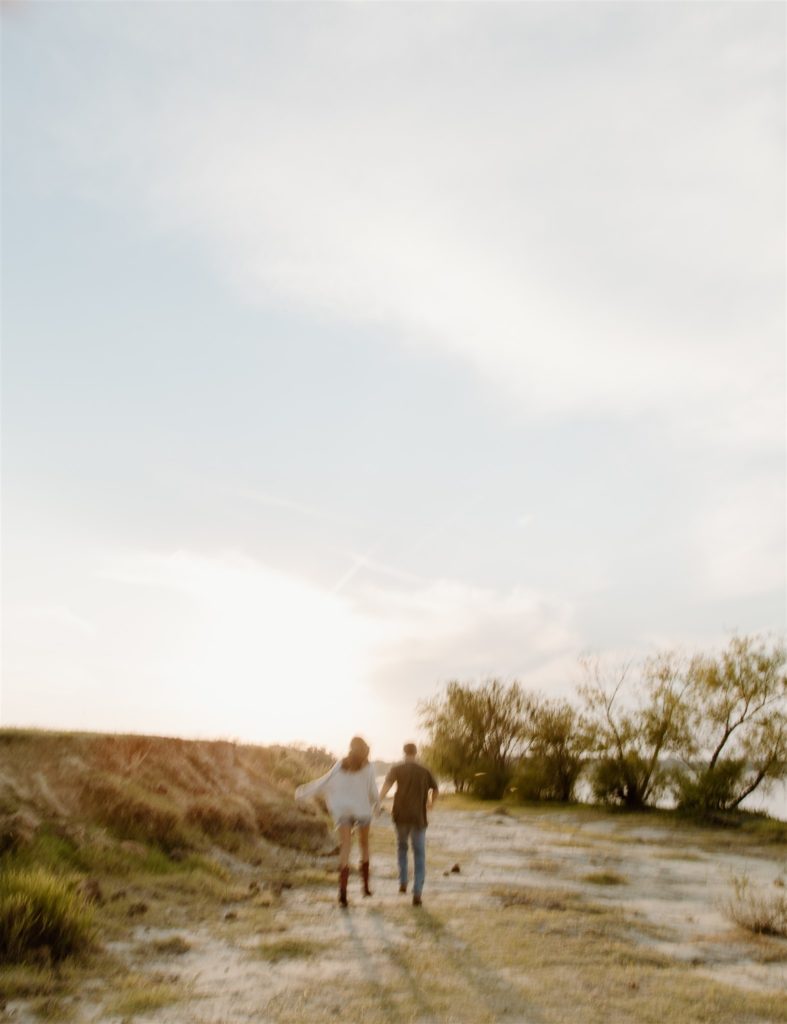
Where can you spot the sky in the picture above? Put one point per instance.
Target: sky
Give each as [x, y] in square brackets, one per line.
[349, 349]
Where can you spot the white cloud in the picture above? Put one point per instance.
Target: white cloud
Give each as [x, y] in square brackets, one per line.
[593, 232]
[740, 542]
[265, 655]
[583, 204]
[446, 629]
[226, 646]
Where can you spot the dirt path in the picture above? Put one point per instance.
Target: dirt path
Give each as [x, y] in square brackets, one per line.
[300, 958]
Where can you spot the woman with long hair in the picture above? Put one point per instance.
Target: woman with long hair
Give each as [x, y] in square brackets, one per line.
[350, 790]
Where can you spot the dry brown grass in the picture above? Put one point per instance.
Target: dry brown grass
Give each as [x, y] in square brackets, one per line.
[137, 994]
[604, 878]
[755, 909]
[215, 817]
[131, 814]
[168, 793]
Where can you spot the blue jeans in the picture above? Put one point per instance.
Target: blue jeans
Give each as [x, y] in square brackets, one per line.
[417, 838]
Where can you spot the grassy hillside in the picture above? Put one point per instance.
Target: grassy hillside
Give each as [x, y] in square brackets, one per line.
[176, 796]
[100, 832]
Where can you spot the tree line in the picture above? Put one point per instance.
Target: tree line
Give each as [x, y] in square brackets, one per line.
[706, 731]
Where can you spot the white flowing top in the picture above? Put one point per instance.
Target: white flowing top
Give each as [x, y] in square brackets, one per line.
[348, 794]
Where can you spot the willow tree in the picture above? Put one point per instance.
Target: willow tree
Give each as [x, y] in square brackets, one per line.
[738, 727]
[560, 741]
[476, 733]
[638, 722]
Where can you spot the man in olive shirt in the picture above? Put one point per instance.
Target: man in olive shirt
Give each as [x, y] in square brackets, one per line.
[416, 791]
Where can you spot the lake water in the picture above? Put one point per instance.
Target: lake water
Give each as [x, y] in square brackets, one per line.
[774, 802]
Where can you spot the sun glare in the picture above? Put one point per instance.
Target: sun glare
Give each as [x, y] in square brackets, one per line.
[268, 657]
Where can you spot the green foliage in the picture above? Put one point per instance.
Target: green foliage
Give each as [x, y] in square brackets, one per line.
[41, 916]
[139, 994]
[621, 779]
[293, 766]
[17, 830]
[477, 733]
[530, 780]
[632, 741]
[604, 878]
[702, 789]
[215, 817]
[560, 741]
[95, 854]
[132, 815]
[288, 949]
[490, 781]
[737, 740]
[293, 826]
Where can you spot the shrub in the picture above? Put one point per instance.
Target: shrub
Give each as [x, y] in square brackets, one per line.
[560, 740]
[737, 741]
[288, 949]
[292, 766]
[548, 774]
[530, 781]
[131, 816]
[632, 739]
[604, 878]
[41, 915]
[755, 909]
[709, 789]
[616, 780]
[214, 817]
[491, 781]
[17, 830]
[476, 734]
[291, 826]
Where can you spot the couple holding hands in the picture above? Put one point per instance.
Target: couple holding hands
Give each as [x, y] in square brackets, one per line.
[350, 790]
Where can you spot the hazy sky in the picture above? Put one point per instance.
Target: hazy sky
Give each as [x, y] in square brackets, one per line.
[348, 349]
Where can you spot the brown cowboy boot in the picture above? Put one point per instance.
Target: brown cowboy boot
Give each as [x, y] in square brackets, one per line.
[365, 876]
[344, 874]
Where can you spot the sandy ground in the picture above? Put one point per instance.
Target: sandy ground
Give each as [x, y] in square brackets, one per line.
[669, 886]
[669, 883]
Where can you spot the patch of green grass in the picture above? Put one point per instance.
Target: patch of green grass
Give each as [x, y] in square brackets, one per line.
[535, 897]
[683, 855]
[768, 951]
[140, 994]
[313, 876]
[288, 949]
[544, 865]
[41, 916]
[28, 981]
[604, 878]
[175, 945]
[52, 1008]
[753, 825]
[97, 854]
[130, 812]
[217, 816]
[292, 825]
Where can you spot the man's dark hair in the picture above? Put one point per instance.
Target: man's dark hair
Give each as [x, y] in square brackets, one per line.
[410, 749]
